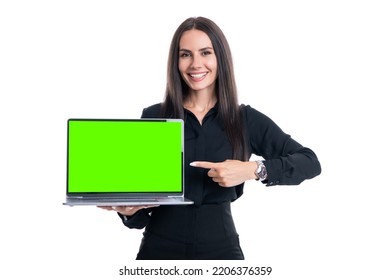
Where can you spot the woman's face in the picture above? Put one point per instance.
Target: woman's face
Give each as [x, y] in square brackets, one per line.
[197, 61]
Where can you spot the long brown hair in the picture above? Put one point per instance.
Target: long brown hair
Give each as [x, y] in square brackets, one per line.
[226, 91]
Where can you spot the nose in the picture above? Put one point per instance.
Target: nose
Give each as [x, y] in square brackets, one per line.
[196, 61]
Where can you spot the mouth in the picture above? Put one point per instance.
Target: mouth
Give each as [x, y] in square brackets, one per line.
[197, 76]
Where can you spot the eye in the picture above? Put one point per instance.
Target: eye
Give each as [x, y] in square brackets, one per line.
[184, 54]
[205, 53]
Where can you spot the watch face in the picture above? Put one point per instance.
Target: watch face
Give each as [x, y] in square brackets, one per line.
[261, 171]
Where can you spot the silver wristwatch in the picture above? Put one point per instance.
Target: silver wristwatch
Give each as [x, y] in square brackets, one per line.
[261, 171]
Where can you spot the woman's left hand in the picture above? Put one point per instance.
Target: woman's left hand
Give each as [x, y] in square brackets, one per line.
[229, 173]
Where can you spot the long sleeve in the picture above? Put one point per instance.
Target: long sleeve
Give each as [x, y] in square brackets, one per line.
[287, 161]
[139, 220]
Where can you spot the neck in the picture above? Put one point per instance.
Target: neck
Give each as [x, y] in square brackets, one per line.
[200, 101]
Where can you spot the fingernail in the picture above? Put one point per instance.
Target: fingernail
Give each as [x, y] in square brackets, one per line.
[193, 163]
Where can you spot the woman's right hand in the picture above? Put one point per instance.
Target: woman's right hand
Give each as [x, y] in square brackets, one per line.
[126, 210]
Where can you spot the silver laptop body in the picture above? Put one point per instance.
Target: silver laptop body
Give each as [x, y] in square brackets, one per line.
[121, 162]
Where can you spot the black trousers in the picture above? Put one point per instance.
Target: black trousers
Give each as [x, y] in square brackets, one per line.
[205, 232]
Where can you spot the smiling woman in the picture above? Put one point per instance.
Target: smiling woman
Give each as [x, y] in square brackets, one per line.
[198, 67]
[198, 63]
[220, 137]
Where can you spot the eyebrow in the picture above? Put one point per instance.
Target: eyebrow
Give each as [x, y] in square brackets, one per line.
[201, 50]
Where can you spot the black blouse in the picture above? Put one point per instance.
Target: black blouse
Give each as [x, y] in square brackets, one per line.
[287, 162]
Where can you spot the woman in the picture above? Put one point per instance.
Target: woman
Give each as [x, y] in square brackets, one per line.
[220, 137]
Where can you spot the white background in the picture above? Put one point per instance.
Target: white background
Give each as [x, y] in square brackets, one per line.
[319, 69]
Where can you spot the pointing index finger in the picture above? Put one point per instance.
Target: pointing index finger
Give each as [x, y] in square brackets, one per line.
[204, 164]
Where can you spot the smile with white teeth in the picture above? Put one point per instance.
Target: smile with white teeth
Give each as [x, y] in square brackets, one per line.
[198, 76]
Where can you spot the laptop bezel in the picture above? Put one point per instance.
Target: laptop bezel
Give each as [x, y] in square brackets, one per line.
[118, 195]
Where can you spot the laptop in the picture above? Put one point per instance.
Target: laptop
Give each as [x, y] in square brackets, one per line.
[112, 162]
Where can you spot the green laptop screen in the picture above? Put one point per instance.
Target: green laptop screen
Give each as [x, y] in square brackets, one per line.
[124, 156]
